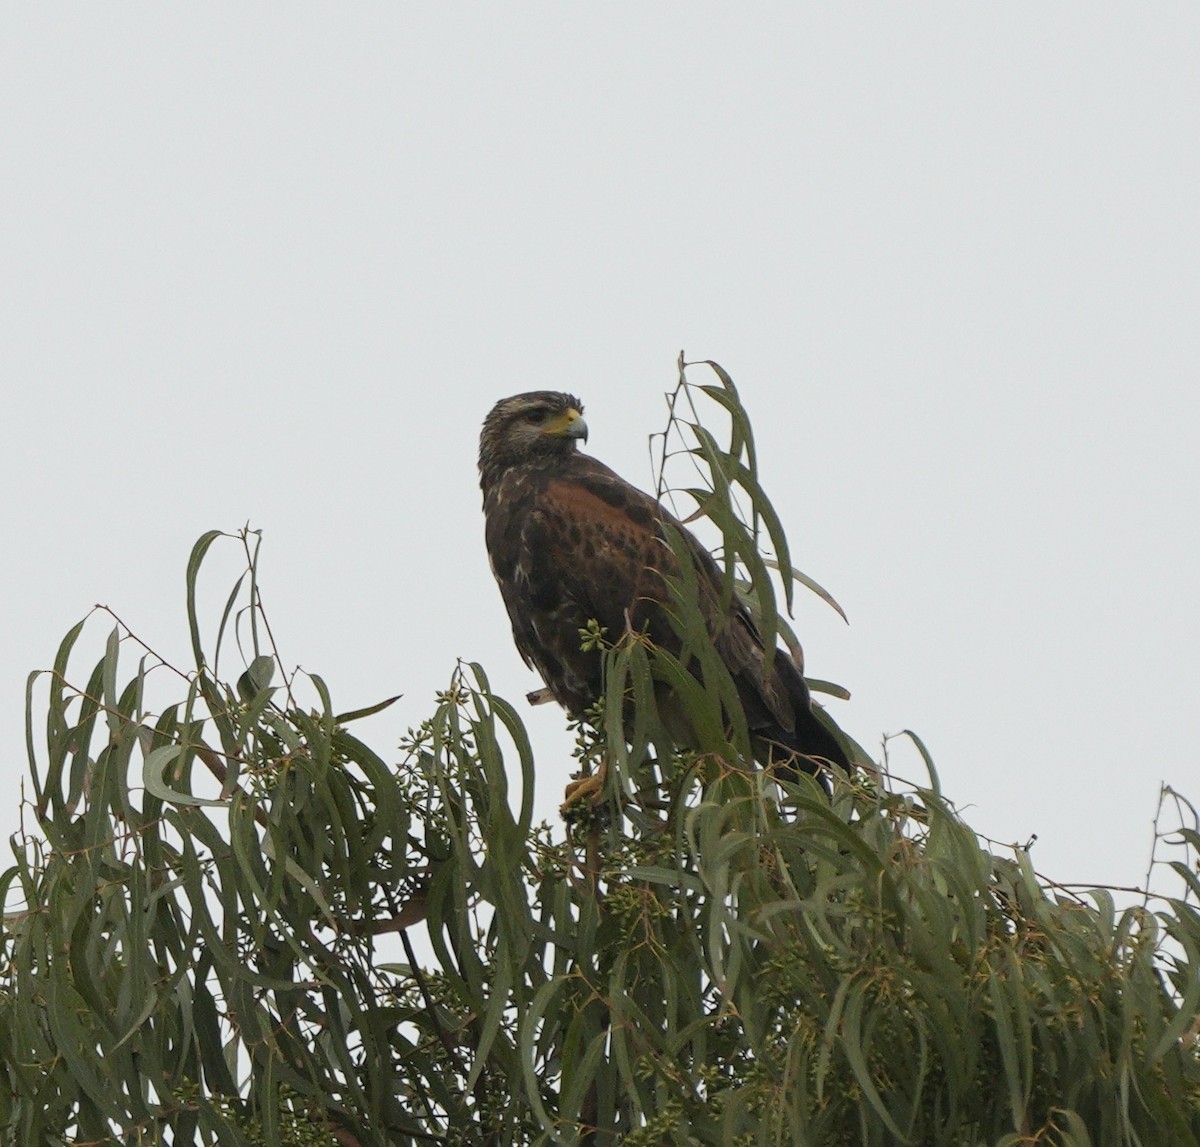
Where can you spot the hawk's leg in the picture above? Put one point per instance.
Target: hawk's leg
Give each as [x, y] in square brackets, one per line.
[585, 794]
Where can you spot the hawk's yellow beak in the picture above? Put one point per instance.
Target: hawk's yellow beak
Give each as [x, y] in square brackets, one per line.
[569, 424]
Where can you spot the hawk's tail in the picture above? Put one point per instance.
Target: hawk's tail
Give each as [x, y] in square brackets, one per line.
[811, 747]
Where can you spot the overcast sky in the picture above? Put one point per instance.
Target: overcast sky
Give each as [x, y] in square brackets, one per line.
[275, 263]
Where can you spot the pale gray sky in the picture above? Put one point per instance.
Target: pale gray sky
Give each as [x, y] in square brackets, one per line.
[275, 263]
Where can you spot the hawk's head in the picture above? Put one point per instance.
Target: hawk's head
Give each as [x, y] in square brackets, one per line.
[528, 427]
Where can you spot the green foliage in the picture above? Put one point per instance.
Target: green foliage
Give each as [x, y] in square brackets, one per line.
[238, 924]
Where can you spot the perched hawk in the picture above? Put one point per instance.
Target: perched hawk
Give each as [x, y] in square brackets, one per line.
[571, 541]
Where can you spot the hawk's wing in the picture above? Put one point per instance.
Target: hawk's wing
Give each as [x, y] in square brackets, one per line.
[588, 545]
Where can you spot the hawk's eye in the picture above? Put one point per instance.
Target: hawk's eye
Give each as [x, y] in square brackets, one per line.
[533, 417]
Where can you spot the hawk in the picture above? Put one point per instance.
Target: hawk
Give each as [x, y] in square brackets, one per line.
[570, 541]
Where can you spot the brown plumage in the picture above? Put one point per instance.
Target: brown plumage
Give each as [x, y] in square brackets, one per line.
[571, 541]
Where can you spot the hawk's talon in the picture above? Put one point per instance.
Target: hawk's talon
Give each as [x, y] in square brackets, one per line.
[583, 795]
